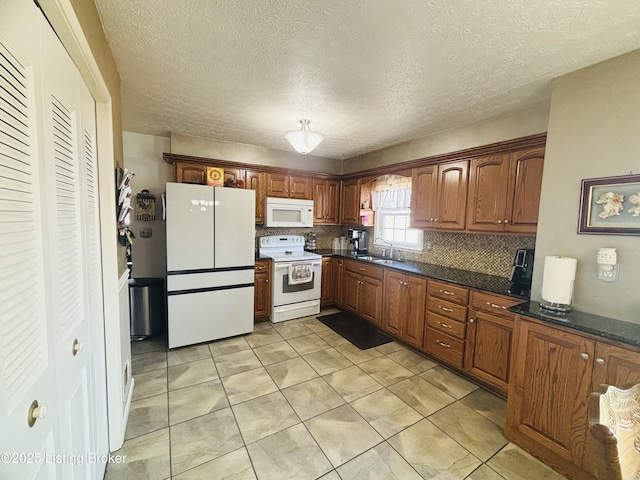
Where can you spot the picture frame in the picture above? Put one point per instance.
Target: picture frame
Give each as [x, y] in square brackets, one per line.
[610, 205]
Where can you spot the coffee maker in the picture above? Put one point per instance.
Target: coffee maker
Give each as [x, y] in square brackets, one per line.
[357, 241]
[522, 272]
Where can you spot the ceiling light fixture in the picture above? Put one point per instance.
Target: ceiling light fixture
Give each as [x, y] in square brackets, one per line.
[304, 140]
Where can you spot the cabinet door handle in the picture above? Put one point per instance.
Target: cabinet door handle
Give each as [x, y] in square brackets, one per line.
[600, 361]
[267, 280]
[435, 219]
[400, 282]
[444, 325]
[499, 221]
[506, 220]
[405, 284]
[442, 344]
[445, 308]
[495, 305]
[471, 320]
[584, 356]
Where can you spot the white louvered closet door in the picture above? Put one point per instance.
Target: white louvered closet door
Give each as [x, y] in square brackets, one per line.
[27, 346]
[52, 330]
[68, 263]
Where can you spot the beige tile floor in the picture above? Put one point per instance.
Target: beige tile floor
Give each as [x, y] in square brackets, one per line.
[297, 401]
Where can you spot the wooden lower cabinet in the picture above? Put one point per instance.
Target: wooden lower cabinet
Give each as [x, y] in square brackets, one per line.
[326, 293]
[363, 290]
[489, 339]
[554, 371]
[262, 290]
[338, 281]
[404, 306]
[444, 337]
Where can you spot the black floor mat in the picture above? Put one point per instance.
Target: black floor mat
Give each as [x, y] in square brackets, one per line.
[355, 330]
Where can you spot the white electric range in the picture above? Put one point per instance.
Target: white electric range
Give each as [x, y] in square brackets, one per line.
[291, 298]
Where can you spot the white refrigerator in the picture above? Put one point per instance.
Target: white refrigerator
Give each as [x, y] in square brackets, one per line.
[210, 262]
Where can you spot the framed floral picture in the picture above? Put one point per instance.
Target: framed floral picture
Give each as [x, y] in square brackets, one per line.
[610, 205]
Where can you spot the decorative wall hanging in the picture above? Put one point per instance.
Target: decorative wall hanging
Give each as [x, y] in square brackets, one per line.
[610, 205]
[215, 176]
[145, 206]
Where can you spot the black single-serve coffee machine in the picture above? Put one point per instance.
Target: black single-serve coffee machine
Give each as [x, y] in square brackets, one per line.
[522, 272]
[357, 241]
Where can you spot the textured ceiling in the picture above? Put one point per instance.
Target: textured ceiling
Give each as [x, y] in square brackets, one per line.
[367, 73]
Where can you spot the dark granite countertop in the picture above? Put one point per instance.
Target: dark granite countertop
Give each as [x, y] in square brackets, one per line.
[609, 328]
[481, 281]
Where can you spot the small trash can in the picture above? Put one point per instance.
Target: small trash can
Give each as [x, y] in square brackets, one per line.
[146, 307]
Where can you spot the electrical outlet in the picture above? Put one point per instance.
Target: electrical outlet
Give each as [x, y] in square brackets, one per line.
[607, 264]
[608, 273]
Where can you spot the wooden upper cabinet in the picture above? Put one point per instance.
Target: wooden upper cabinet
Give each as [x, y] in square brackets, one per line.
[300, 187]
[289, 186]
[184, 172]
[504, 192]
[326, 201]
[523, 203]
[488, 179]
[439, 196]
[424, 194]
[350, 204]
[277, 185]
[257, 181]
[452, 195]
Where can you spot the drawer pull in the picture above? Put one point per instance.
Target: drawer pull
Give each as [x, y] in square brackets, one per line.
[442, 344]
[445, 308]
[444, 325]
[495, 305]
[362, 269]
[447, 292]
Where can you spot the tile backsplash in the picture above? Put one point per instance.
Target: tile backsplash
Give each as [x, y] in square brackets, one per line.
[491, 254]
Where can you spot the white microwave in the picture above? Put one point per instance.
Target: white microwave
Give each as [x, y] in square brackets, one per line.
[288, 212]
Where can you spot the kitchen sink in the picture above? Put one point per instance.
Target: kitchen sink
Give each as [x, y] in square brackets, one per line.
[381, 260]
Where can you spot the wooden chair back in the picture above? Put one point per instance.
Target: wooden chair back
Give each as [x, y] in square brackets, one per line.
[614, 419]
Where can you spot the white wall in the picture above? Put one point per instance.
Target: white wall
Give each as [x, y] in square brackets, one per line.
[594, 131]
[143, 156]
[530, 120]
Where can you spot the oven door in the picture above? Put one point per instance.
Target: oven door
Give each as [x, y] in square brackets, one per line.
[284, 293]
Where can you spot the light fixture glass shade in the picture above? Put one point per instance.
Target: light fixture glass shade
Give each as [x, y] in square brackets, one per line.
[304, 140]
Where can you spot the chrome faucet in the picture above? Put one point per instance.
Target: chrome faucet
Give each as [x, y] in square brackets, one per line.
[388, 243]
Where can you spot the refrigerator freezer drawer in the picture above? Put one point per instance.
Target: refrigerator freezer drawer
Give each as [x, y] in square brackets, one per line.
[211, 315]
[188, 281]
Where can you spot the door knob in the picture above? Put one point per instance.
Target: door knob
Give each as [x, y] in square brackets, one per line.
[584, 356]
[600, 361]
[77, 347]
[35, 412]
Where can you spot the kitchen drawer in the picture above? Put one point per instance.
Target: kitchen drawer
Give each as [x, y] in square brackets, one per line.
[494, 304]
[446, 325]
[448, 291]
[448, 309]
[445, 347]
[364, 268]
[263, 266]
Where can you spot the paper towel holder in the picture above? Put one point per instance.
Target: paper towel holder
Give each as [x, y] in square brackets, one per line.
[558, 291]
[557, 308]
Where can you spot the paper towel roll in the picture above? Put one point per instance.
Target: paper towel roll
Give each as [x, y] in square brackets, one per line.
[558, 278]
